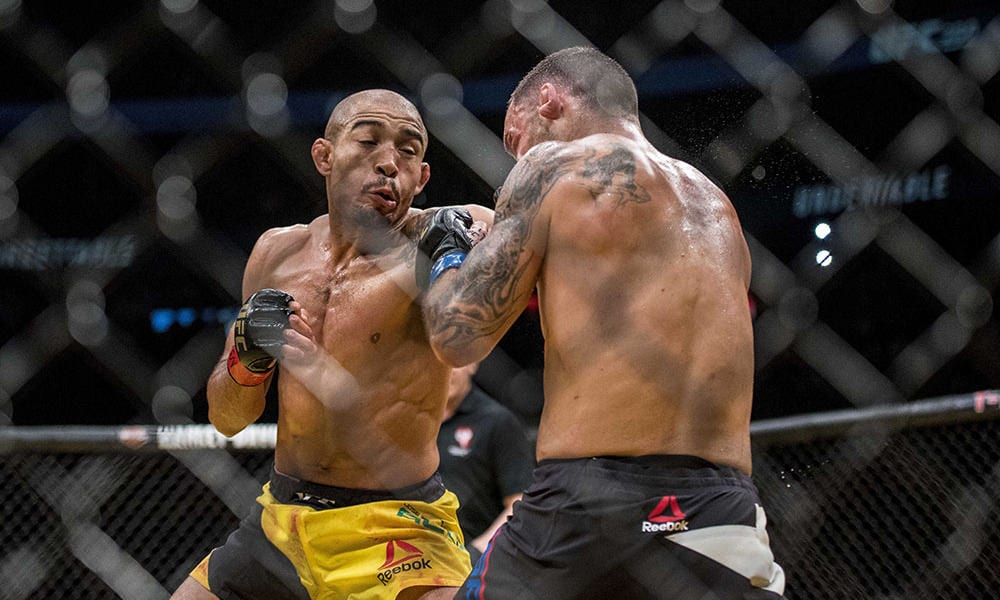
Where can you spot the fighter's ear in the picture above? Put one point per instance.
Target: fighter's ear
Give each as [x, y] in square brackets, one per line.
[322, 155]
[550, 102]
[425, 175]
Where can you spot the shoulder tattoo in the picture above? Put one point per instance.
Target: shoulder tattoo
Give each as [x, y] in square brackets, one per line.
[613, 174]
[489, 287]
[601, 171]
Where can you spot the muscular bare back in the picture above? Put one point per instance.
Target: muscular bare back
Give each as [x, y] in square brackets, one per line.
[643, 290]
[642, 272]
[370, 419]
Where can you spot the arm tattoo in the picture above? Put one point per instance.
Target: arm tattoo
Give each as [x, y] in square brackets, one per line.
[481, 298]
[414, 226]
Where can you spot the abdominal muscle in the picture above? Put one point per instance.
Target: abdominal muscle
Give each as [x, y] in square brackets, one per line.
[381, 442]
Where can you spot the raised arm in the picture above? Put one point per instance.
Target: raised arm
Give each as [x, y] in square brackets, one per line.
[467, 310]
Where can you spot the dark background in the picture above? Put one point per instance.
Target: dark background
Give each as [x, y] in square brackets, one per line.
[145, 146]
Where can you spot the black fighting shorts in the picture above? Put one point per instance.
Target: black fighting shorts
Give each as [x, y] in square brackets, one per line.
[636, 527]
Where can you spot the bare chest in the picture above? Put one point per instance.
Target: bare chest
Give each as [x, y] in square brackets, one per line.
[360, 314]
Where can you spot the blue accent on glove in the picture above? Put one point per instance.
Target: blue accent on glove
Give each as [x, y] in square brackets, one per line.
[448, 261]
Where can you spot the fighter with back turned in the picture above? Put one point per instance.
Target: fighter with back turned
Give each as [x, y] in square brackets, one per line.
[642, 272]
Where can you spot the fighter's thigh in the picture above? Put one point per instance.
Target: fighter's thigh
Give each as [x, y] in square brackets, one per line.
[427, 593]
[192, 590]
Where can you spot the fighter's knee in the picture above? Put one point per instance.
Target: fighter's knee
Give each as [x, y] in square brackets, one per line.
[192, 590]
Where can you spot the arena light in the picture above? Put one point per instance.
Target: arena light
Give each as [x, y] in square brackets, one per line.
[875, 7]
[822, 230]
[179, 7]
[175, 203]
[355, 16]
[824, 258]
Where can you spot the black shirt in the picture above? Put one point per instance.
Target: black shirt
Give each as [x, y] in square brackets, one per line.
[485, 457]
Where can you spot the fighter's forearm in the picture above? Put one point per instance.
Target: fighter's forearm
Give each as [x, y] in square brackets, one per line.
[231, 407]
[475, 294]
[484, 538]
[459, 331]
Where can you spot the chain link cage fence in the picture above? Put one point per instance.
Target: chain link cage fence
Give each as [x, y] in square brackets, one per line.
[890, 504]
[146, 145]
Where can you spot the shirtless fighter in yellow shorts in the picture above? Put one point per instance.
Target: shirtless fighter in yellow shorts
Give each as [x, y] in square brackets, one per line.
[354, 507]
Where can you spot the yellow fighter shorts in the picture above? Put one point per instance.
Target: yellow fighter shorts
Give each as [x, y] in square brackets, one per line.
[308, 541]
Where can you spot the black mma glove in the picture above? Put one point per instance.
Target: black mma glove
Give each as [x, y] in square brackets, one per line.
[258, 334]
[443, 244]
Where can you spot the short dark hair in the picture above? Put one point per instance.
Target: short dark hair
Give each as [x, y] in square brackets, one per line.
[589, 74]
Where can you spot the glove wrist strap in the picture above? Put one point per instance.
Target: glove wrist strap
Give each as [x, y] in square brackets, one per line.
[242, 375]
[448, 261]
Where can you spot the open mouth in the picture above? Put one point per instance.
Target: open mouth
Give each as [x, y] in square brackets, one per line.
[386, 201]
[383, 195]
